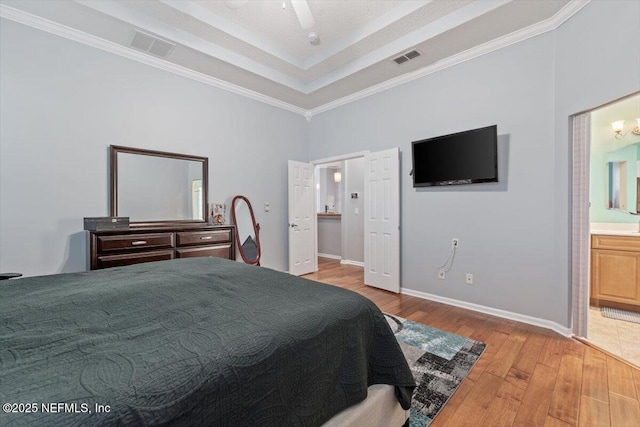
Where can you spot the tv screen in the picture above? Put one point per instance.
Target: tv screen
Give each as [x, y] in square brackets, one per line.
[468, 157]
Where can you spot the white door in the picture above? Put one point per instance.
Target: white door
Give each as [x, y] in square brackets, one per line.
[382, 220]
[302, 219]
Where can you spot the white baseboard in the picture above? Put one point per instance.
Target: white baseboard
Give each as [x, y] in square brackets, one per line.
[350, 262]
[329, 256]
[562, 330]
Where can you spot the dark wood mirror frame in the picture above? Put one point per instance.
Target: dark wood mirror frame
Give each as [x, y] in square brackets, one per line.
[256, 229]
[113, 171]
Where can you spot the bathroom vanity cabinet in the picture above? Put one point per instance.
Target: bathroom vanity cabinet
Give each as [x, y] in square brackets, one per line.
[615, 271]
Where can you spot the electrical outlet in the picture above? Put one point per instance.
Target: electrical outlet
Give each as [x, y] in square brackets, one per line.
[441, 274]
[455, 242]
[469, 279]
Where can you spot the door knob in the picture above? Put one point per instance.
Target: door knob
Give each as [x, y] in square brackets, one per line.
[292, 225]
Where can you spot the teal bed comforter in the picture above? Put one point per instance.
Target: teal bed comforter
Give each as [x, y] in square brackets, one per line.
[200, 341]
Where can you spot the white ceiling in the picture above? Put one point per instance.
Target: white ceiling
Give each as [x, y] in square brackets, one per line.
[259, 49]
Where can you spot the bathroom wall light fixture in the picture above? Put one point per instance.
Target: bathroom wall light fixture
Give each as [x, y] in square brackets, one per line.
[618, 128]
[337, 177]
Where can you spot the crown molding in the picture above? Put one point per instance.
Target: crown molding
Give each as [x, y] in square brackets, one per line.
[526, 33]
[51, 27]
[55, 28]
[120, 11]
[406, 42]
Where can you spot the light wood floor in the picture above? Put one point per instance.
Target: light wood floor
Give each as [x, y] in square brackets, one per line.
[527, 376]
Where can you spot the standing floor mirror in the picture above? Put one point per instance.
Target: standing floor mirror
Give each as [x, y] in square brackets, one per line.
[247, 230]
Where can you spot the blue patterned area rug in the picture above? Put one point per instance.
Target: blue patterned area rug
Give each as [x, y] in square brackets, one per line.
[439, 360]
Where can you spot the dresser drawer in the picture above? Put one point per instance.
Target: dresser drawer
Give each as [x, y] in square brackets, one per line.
[219, 251]
[190, 238]
[148, 244]
[108, 261]
[120, 242]
[620, 243]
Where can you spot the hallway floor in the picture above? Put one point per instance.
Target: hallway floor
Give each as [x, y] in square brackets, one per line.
[616, 336]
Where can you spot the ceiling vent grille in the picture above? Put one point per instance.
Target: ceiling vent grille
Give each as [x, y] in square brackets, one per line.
[406, 57]
[153, 45]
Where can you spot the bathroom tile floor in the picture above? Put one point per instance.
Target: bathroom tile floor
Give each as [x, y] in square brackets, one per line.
[616, 336]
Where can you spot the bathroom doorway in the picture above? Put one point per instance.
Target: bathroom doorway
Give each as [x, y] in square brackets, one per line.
[606, 280]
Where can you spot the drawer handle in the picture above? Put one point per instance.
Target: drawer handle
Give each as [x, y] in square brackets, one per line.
[139, 242]
[206, 238]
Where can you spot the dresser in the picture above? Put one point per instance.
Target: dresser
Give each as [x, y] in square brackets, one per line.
[115, 248]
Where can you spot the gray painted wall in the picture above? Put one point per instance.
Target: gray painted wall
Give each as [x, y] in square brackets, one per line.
[597, 61]
[353, 223]
[62, 104]
[514, 235]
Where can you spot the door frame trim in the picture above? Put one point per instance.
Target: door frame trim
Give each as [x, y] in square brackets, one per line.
[339, 158]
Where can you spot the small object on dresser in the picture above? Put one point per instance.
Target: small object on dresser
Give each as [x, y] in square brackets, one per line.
[103, 223]
[218, 213]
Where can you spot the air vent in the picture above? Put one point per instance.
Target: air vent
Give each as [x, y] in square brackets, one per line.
[407, 56]
[412, 54]
[400, 59]
[151, 44]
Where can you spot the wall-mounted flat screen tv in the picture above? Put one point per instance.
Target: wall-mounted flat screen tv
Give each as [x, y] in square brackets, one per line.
[468, 157]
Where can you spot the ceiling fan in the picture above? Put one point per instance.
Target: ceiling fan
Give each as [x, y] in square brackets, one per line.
[302, 10]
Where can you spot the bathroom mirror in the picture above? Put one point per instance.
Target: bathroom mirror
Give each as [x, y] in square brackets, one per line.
[623, 175]
[617, 172]
[158, 187]
[247, 230]
[329, 188]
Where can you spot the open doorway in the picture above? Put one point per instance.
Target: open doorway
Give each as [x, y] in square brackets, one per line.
[379, 196]
[606, 251]
[381, 214]
[340, 197]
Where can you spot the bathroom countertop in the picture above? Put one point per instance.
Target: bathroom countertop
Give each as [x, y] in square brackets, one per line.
[329, 215]
[615, 229]
[616, 232]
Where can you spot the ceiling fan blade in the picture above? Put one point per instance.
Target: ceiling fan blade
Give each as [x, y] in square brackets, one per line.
[303, 13]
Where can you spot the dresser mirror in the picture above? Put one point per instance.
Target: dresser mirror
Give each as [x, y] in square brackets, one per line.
[247, 230]
[157, 187]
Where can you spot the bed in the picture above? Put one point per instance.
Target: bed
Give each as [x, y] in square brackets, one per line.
[193, 341]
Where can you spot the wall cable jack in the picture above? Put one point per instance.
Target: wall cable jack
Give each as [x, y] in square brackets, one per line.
[443, 269]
